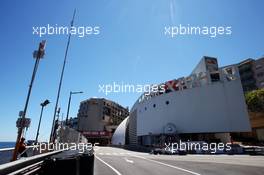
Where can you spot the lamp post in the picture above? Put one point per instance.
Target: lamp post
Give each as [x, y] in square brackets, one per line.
[45, 103]
[22, 121]
[69, 104]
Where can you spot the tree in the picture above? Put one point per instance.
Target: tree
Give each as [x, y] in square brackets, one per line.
[255, 100]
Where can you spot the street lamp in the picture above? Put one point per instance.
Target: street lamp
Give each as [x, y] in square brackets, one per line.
[45, 103]
[69, 104]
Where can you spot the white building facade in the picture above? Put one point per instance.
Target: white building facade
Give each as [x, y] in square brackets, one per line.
[209, 101]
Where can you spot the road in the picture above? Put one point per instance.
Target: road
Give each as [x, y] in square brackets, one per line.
[117, 161]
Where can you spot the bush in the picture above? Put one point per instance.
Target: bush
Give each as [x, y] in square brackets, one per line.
[255, 100]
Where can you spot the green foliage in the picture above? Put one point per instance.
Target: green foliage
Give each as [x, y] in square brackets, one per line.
[255, 100]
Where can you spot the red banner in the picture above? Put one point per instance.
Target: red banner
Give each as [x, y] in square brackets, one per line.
[96, 133]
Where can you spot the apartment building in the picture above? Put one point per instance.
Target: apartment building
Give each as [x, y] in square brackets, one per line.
[98, 118]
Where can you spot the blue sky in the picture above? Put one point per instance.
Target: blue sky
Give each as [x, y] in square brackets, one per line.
[130, 48]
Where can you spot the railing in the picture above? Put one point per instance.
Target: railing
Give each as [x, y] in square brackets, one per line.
[6, 154]
[25, 165]
[75, 162]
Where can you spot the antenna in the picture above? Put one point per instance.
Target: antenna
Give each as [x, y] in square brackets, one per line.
[61, 79]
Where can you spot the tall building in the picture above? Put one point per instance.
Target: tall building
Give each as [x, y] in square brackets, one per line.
[98, 118]
[251, 74]
[247, 74]
[259, 72]
[252, 77]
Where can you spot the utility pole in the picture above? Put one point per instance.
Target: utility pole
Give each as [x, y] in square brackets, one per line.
[60, 83]
[22, 121]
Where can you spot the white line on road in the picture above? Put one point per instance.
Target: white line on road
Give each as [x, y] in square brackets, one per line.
[96, 148]
[175, 167]
[129, 161]
[117, 172]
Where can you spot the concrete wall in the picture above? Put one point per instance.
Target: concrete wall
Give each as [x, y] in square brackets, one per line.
[218, 107]
[69, 135]
[92, 120]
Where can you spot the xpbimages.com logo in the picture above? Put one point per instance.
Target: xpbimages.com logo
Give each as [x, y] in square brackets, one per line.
[197, 146]
[80, 31]
[130, 88]
[210, 31]
[81, 147]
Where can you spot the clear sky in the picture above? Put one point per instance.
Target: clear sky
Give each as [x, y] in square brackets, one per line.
[130, 48]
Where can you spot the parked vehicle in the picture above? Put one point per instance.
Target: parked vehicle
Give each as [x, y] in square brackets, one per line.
[254, 150]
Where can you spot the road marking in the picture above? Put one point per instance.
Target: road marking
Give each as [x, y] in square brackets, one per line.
[114, 154]
[117, 172]
[168, 165]
[129, 161]
[96, 148]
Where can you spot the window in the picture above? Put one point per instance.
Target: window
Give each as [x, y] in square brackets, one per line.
[167, 102]
[259, 66]
[215, 77]
[145, 108]
[154, 105]
[260, 74]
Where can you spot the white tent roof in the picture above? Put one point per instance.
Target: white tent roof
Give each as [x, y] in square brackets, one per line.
[120, 132]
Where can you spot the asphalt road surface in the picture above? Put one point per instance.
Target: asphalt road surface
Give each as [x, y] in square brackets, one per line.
[117, 161]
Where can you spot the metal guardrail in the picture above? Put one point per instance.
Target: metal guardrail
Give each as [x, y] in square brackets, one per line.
[25, 165]
[6, 153]
[31, 169]
[10, 149]
[6, 149]
[73, 162]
